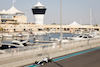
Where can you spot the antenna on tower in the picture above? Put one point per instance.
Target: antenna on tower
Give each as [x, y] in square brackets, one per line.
[38, 0]
[13, 2]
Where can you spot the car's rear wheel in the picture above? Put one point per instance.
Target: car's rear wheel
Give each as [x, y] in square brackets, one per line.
[50, 60]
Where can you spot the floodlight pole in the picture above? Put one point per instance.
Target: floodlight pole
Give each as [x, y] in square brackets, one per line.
[60, 22]
[90, 19]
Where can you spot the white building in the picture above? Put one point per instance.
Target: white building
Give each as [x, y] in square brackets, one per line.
[12, 15]
[39, 11]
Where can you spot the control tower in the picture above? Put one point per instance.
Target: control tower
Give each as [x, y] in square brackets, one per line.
[39, 12]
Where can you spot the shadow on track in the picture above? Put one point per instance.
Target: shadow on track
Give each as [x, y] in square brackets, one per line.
[58, 64]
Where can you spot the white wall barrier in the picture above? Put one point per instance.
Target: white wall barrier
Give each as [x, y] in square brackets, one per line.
[53, 50]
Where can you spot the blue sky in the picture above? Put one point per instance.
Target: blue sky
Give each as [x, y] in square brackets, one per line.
[72, 10]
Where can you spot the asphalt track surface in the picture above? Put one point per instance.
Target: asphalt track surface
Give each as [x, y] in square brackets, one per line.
[89, 59]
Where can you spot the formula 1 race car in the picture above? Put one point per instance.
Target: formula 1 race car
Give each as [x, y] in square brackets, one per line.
[43, 61]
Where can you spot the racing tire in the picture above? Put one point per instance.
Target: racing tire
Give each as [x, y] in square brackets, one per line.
[50, 60]
[36, 62]
[43, 63]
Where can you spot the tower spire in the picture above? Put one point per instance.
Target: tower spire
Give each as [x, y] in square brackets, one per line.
[13, 2]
